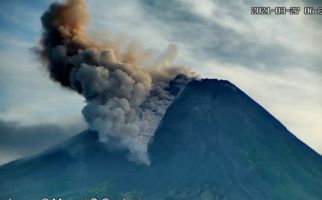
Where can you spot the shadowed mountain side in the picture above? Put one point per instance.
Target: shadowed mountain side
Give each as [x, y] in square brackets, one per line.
[217, 134]
[214, 142]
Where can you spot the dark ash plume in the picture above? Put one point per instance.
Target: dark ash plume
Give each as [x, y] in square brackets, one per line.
[126, 98]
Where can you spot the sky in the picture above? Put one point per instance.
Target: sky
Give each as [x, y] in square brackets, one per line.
[274, 59]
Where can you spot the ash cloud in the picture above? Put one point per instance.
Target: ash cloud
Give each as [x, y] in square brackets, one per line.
[127, 88]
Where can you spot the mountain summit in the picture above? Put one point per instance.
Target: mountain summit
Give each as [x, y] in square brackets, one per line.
[214, 142]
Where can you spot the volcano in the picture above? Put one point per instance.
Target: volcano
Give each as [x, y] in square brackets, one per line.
[214, 142]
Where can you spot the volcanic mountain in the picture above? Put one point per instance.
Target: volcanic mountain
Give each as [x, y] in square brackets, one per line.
[214, 142]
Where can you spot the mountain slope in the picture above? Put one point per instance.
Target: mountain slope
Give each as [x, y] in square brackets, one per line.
[240, 145]
[214, 142]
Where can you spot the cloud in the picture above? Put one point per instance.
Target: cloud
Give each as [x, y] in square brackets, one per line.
[28, 99]
[18, 140]
[230, 34]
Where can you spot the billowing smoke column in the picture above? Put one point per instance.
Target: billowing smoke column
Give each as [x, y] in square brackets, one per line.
[125, 98]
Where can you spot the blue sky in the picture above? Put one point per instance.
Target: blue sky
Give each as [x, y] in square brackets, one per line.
[275, 59]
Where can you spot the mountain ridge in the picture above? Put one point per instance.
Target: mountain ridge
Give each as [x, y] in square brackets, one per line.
[213, 142]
